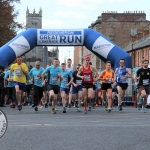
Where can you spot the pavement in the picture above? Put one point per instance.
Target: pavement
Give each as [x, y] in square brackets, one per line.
[97, 130]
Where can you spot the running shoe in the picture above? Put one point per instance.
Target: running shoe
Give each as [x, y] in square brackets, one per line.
[69, 105]
[36, 108]
[78, 109]
[85, 111]
[53, 111]
[143, 110]
[19, 107]
[120, 107]
[109, 109]
[64, 111]
[96, 105]
[33, 105]
[89, 109]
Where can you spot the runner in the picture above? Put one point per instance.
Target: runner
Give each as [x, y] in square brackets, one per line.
[69, 68]
[85, 73]
[108, 77]
[77, 88]
[139, 98]
[36, 72]
[20, 71]
[2, 87]
[53, 88]
[144, 83]
[122, 74]
[65, 83]
[9, 85]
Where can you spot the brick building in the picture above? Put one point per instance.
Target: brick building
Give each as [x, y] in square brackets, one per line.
[118, 27]
[139, 47]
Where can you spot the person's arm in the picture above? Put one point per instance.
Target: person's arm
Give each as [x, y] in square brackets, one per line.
[136, 77]
[116, 71]
[114, 77]
[24, 70]
[101, 76]
[10, 74]
[95, 70]
[79, 73]
[129, 73]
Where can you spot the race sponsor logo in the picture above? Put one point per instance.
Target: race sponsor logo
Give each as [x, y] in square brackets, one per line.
[20, 46]
[60, 37]
[102, 46]
[3, 123]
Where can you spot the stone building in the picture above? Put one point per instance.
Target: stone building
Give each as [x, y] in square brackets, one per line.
[41, 53]
[139, 47]
[118, 27]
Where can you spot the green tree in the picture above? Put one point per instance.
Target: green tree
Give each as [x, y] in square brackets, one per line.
[8, 24]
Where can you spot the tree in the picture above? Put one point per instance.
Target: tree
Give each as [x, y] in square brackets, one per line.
[8, 25]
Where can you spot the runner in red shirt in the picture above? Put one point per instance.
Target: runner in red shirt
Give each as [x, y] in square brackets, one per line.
[85, 72]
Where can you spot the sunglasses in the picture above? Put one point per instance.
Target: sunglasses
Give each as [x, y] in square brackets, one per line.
[121, 62]
[87, 60]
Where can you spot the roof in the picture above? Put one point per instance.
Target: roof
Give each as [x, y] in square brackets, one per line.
[112, 19]
[145, 41]
[141, 19]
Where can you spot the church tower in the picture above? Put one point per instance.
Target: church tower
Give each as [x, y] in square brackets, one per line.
[34, 20]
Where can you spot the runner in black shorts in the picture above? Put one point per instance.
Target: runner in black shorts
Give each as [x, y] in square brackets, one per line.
[144, 82]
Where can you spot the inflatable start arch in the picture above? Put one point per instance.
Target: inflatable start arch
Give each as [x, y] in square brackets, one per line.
[92, 40]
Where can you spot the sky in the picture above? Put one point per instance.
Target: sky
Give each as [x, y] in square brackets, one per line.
[72, 14]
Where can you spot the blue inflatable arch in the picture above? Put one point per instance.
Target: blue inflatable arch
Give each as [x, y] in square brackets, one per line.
[92, 40]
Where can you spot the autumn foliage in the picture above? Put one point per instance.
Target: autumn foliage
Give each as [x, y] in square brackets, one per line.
[8, 24]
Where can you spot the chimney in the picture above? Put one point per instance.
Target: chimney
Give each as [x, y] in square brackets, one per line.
[133, 38]
[145, 32]
[140, 35]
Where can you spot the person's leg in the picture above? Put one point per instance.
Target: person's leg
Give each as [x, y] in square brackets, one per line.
[144, 96]
[109, 97]
[85, 92]
[70, 97]
[80, 97]
[119, 95]
[18, 95]
[63, 96]
[104, 98]
[90, 95]
[36, 95]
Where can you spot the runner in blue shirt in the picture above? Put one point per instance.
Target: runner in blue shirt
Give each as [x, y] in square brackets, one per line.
[66, 79]
[54, 72]
[10, 91]
[36, 72]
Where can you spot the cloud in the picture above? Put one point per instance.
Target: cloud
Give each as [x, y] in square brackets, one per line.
[48, 22]
[84, 4]
[65, 14]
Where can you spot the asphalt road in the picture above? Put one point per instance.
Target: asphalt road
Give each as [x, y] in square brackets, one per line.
[97, 130]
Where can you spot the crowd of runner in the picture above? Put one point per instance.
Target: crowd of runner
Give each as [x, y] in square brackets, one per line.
[60, 84]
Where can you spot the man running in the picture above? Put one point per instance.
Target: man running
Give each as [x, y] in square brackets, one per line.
[66, 79]
[69, 68]
[20, 72]
[53, 88]
[122, 74]
[77, 87]
[107, 77]
[144, 83]
[85, 73]
[36, 72]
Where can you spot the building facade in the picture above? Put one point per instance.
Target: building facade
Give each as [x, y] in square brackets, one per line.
[139, 47]
[118, 27]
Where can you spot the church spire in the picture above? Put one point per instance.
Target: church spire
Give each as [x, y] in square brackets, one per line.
[40, 12]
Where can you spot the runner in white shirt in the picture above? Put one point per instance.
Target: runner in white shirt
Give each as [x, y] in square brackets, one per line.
[69, 68]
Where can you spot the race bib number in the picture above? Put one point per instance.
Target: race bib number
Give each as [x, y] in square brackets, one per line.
[109, 80]
[146, 82]
[54, 79]
[37, 79]
[65, 80]
[18, 72]
[78, 82]
[122, 78]
[86, 77]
